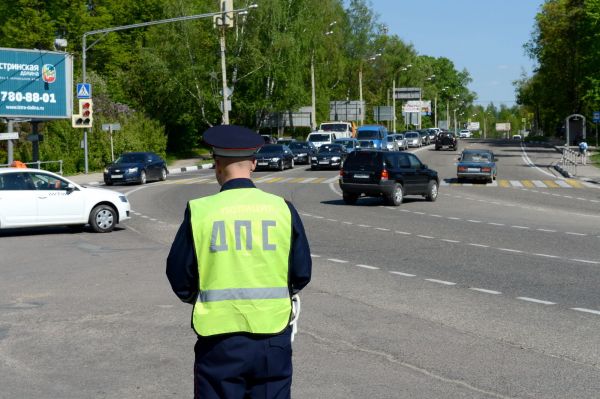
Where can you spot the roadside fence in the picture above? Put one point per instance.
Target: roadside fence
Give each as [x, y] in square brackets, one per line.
[39, 164]
[569, 161]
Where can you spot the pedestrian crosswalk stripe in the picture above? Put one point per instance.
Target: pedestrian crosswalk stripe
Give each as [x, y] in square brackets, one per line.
[273, 180]
[297, 180]
[563, 183]
[574, 183]
[516, 183]
[539, 183]
[528, 183]
[504, 183]
[308, 180]
[551, 184]
[318, 180]
[333, 179]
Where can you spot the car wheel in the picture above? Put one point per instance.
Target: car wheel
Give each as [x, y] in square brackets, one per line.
[108, 182]
[432, 191]
[281, 165]
[143, 177]
[313, 168]
[396, 196]
[163, 174]
[350, 198]
[103, 218]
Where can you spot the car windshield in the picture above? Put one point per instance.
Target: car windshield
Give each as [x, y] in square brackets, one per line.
[299, 146]
[319, 137]
[330, 148]
[399, 137]
[347, 143]
[368, 134]
[390, 139]
[476, 157]
[411, 135]
[334, 127]
[268, 149]
[131, 158]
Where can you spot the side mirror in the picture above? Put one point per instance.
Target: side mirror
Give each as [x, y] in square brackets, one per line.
[70, 188]
[423, 166]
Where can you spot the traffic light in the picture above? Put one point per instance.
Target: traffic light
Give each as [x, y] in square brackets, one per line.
[84, 118]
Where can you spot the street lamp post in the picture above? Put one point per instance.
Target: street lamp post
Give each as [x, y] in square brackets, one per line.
[406, 68]
[313, 95]
[360, 90]
[226, 5]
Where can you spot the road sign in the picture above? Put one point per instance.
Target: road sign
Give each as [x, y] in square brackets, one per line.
[111, 126]
[36, 84]
[84, 90]
[407, 93]
[9, 136]
[383, 113]
[596, 117]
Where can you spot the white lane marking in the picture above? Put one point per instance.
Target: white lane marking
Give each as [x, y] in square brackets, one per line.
[152, 219]
[546, 255]
[525, 157]
[337, 260]
[453, 218]
[520, 227]
[348, 223]
[381, 229]
[440, 281]
[308, 179]
[435, 216]
[305, 214]
[524, 298]
[319, 217]
[419, 213]
[575, 234]
[446, 240]
[331, 220]
[474, 221]
[510, 250]
[485, 291]
[496, 224]
[368, 267]
[145, 217]
[363, 225]
[563, 184]
[423, 236]
[332, 180]
[547, 230]
[586, 261]
[404, 210]
[587, 310]
[403, 274]
[403, 232]
[581, 199]
[539, 183]
[315, 256]
[478, 245]
[516, 183]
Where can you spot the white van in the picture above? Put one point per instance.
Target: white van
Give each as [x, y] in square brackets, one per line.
[319, 138]
[340, 128]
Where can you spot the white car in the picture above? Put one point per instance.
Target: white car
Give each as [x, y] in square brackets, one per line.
[34, 197]
[465, 134]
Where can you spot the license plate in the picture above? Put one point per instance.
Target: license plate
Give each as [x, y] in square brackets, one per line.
[117, 176]
[473, 170]
[323, 162]
[262, 163]
[361, 176]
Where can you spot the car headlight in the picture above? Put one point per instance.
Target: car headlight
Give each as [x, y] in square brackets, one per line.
[275, 159]
[313, 158]
[132, 170]
[303, 154]
[105, 170]
[123, 198]
[335, 158]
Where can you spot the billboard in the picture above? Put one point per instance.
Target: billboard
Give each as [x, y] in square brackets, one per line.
[417, 106]
[346, 110]
[35, 84]
[473, 126]
[503, 127]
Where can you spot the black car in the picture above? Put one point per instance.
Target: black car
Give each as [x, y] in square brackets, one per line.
[387, 174]
[425, 137]
[303, 151]
[329, 156]
[446, 139]
[136, 167]
[274, 156]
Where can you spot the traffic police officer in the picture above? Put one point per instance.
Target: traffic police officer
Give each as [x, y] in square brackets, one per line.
[238, 257]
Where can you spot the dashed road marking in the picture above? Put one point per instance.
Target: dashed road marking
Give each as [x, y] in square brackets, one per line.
[485, 291]
[443, 282]
[403, 274]
[368, 267]
[524, 298]
[337, 260]
[592, 311]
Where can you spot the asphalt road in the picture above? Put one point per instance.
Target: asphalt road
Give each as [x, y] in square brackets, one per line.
[489, 292]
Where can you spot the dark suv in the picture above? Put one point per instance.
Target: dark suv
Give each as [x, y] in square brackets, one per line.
[446, 139]
[387, 174]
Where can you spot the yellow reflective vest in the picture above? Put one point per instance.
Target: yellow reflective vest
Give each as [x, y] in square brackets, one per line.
[242, 239]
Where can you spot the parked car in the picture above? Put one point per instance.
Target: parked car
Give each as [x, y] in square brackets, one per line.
[446, 139]
[274, 156]
[425, 139]
[517, 137]
[400, 140]
[477, 164]
[34, 197]
[136, 167]
[414, 139]
[387, 174]
[303, 151]
[465, 134]
[329, 156]
[350, 144]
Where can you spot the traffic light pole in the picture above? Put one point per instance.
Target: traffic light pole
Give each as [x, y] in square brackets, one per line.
[133, 26]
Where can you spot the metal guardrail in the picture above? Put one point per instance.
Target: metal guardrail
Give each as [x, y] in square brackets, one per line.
[38, 164]
[569, 161]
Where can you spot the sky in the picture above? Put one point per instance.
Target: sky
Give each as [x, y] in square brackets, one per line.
[484, 36]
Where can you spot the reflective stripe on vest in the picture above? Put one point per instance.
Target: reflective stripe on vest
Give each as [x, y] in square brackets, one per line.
[242, 239]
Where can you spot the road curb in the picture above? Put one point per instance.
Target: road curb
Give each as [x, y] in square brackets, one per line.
[184, 169]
